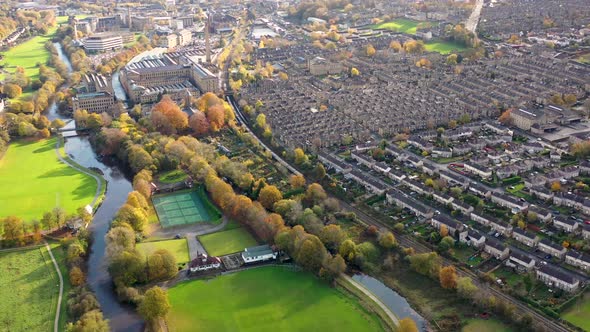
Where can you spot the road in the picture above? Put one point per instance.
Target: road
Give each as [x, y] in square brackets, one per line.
[473, 20]
[61, 289]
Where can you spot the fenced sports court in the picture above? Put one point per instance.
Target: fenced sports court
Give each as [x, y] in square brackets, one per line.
[181, 208]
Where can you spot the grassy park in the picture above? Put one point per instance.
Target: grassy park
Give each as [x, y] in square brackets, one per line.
[265, 299]
[178, 248]
[227, 241]
[34, 181]
[402, 25]
[578, 313]
[28, 299]
[444, 47]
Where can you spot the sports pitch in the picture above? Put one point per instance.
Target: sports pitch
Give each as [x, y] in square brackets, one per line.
[181, 208]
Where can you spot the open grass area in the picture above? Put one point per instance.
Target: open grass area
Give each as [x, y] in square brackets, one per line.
[579, 313]
[33, 181]
[444, 47]
[227, 241]
[60, 257]
[178, 248]
[28, 55]
[265, 299]
[399, 25]
[485, 325]
[30, 287]
[173, 176]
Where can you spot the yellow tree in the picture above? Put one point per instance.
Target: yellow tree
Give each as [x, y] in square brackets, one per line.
[407, 325]
[269, 195]
[354, 72]
[297, 181]
[444, 230]
[448, 277]
[370, 51]
[555, 186]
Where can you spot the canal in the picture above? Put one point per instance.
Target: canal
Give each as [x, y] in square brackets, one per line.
[395, 302]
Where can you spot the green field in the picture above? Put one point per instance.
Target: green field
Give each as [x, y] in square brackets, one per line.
[485, 325]
[173, 176]
[30, 287]
[579, 313]
[33, 181]
[265, 299]
[178, 248]
[227, 241]
[402, 25]
[444, 47]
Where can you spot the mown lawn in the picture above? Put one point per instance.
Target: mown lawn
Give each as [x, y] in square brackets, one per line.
[178, 248]
[399, 25]
[265, 299]
[579, 313]
[33, 181]
[485, 325]
[172, 176]
[60, 257]
[227, 241]
[29, 290]
[444, 47]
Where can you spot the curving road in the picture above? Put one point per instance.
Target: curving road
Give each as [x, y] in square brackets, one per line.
[61, 289]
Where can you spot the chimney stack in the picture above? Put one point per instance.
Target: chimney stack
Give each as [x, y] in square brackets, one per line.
[207, 40]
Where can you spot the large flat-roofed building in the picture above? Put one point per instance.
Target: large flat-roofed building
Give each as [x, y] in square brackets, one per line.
[166, 73]
[321, 66]
[103, 42]
[93, 82]
[94, 102]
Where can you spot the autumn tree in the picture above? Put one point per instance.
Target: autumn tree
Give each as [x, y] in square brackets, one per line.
[76, 276]
[354, 72]
[555, 186]
[443, 231]
[269, 195]
[448, 277]
[91, 321]
[332, 267]
[407, 325]
[12, 90]
[300, 156]
[161, 265]
[452, 59]
[396, 46]
[315, 194]
[370, 50]
[332, 236]
[414, 47]
[13, 230]
[216, 117]
[167, 107]
[199, 123]
[155, 305]
[387, 240]
[297, 181]
[505, 118]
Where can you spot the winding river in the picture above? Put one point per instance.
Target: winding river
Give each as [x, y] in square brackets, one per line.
[122, 318]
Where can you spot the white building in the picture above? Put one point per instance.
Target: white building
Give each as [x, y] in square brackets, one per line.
[258, 254]
[204, 263]
[103, 42]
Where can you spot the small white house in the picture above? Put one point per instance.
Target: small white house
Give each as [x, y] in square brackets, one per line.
[258, 254]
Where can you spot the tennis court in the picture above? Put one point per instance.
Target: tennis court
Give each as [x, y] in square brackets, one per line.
[180, 208]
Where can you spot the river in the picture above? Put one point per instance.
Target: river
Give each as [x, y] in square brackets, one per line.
[395, 302]
[122, 318]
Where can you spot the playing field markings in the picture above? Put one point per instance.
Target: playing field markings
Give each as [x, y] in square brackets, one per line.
[180, 208]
